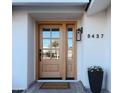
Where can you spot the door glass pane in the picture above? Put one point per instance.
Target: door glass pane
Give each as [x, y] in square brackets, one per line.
[69, 43]
[69, 53]
[46, 54]
[46, 43]
[55, 54]
[55, 33]
[54, 29]
[69, 29]
[46, 34]
[55, 43]
[69, 34]
[46, 29]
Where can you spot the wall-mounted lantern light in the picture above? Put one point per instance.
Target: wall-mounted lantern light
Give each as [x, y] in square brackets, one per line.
[79, 31]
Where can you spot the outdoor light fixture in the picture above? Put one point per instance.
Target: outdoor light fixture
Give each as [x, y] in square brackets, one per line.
[79, 31]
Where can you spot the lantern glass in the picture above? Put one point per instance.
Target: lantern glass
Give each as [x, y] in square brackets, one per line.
[78, 36]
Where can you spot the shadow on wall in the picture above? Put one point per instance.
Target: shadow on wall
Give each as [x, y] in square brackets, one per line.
[105, 80]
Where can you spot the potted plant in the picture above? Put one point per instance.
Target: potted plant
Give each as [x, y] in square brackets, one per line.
[95, 74]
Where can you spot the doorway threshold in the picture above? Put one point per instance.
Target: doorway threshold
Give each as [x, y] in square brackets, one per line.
[57, 80]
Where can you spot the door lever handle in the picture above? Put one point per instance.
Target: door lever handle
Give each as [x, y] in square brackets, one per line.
[39, 54]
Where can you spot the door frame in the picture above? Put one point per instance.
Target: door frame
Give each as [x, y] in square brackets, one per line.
[37, 38]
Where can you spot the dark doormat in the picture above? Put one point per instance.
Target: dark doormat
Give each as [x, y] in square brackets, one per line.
[17, 91]
[55, 85]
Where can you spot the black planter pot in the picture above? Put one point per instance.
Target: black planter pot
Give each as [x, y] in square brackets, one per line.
[95, 80]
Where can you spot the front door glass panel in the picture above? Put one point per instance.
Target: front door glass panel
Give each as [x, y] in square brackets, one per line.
[70, 42]
[50, 45]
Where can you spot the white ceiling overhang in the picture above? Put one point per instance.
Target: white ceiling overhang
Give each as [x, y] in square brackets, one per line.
[61, 9]
[56, 16]
[53, 11]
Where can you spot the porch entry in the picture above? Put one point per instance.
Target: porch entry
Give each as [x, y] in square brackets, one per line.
[57, 50]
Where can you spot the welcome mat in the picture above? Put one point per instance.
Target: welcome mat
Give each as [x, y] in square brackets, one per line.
[55, 85]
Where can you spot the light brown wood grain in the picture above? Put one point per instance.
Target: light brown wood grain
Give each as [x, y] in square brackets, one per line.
[59, 67]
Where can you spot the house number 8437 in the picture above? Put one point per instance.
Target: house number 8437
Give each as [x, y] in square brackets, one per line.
[95, 35]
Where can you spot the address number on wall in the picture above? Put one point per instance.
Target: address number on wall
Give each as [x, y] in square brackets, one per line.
[95, 35]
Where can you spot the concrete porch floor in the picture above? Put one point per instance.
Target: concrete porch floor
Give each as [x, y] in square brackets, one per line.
[75, 87]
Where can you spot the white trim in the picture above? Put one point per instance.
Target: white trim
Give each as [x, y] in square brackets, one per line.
[49, 1]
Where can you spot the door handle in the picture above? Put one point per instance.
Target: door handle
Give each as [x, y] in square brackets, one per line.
[39, 54]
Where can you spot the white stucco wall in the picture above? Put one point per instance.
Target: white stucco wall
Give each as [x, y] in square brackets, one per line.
[23, 50]
[93, 51]
[109, 48]
[19, 50]
[31, 50]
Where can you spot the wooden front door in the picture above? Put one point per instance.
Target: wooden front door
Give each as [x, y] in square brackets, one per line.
[57, 50]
